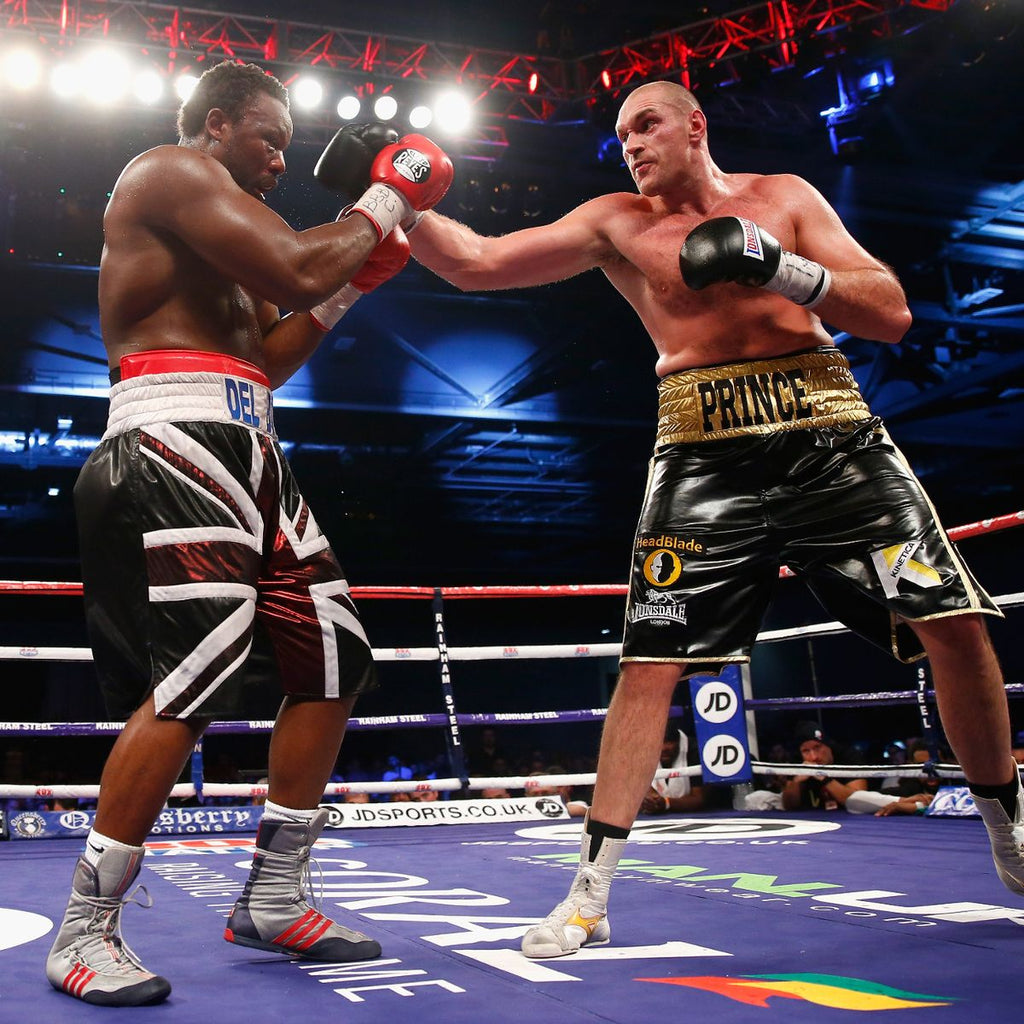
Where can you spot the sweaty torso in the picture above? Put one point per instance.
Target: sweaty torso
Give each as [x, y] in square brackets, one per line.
[723, 322]
[155, 292]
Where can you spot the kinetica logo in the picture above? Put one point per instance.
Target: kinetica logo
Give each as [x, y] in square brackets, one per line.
[823, 989]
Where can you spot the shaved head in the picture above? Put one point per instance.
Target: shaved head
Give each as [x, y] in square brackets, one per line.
[665, 92]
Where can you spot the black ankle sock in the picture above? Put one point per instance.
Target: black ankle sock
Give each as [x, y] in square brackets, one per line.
[1006, 794]
[599, 831]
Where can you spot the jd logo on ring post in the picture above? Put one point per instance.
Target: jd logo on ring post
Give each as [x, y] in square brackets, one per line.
[721, 722]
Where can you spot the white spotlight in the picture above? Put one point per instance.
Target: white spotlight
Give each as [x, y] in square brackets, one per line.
[148, 87]
[385, 108]
[306, 93]
[185, 85]
[66, 80]
[22, 69]
[420, 117]
[452, 112]
[105, 76]
[348, 108]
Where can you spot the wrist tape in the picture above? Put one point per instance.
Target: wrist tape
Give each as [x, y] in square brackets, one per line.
[384, 206]
[800, 280]
[332, 309]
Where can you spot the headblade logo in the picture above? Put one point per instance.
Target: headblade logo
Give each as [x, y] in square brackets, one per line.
[823, 989]
[681, 830]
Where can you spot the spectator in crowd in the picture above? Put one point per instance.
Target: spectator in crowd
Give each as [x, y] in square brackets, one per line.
[911, 795]
[494, 793]
[577, 808]
[681, 795]
[817, 791]
[482, 755]
[423, 796]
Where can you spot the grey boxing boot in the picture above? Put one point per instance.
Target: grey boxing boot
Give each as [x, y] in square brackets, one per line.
[1006, 838]
[273, 913]
[581, 919]
[89, 960]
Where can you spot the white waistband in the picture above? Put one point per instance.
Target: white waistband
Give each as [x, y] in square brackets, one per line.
[183, 397]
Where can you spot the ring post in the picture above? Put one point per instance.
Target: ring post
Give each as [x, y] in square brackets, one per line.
[452, 736]
[197, 769]
[927, 729]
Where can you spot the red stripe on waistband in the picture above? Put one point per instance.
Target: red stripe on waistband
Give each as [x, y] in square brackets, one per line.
[170, 360]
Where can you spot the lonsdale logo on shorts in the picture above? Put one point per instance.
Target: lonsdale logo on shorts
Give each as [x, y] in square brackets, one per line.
[753, 399]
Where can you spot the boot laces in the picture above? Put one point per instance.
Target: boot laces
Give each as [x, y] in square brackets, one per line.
[102, 946]
[307, 893]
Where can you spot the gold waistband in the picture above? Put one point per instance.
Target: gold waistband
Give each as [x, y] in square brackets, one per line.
[810, 389]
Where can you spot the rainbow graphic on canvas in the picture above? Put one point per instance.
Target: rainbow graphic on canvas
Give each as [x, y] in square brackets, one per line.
[823, 989]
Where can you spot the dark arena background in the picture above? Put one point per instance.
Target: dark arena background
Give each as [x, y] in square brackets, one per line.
[500, 440]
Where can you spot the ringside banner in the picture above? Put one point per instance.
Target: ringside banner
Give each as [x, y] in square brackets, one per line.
[172, 821]
[446, 812]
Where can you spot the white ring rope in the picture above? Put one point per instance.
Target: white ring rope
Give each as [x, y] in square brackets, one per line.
[524, 782]
[508, 652]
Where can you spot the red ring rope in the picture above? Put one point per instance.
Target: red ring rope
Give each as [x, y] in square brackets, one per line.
[37, 588]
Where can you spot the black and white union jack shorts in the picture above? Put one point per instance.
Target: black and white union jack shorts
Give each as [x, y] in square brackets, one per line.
[192, 531]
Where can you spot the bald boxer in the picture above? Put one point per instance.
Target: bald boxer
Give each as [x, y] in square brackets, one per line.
[766, 454]
[192, 527]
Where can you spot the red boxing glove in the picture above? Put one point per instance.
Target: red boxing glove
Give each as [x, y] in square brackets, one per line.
[417, 168]
[384, 262]
[381, 265]
[408, 176]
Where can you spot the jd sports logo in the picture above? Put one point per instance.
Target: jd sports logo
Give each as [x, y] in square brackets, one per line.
[683, 830]
[723, 756]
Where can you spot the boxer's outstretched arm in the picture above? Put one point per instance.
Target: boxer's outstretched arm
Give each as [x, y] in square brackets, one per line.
[536, 255]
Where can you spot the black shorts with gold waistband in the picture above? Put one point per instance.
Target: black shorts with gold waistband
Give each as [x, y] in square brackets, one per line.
[780, 462]
[208, 582]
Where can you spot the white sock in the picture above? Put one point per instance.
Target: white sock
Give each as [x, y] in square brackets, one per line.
[275, 812]
[96, 844]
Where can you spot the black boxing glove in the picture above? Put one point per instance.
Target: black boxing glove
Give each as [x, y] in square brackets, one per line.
[344, 166]
[736, 249]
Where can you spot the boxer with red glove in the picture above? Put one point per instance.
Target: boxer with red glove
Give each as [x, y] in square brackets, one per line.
[381, 265]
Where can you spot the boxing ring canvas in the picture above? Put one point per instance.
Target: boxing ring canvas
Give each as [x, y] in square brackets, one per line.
[730, 917]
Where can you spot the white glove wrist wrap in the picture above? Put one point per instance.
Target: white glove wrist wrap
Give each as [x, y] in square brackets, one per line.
[800, 280]
[331, 310]
[385, 207]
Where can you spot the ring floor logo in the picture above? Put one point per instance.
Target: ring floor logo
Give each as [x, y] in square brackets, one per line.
[693, 830]
[821, 989]
[18, 927]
